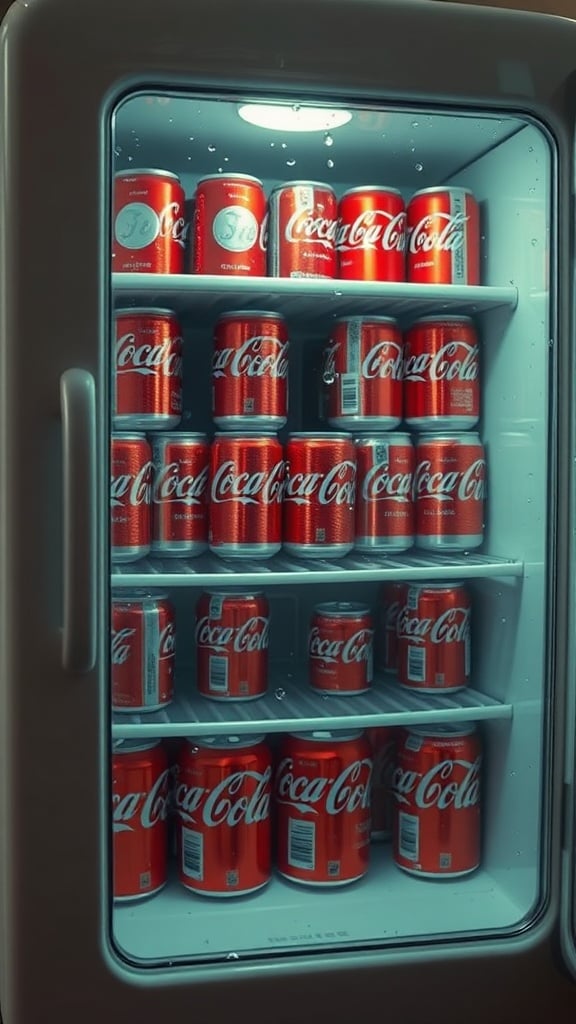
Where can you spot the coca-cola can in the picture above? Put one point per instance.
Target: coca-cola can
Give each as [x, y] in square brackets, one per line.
[322, 799]
[222, 798]
[340, 648]
[449, 491]
[384, 492]
[436, 789]
[232, 631]
[319, 495]
[382, 741]
[149, 229]
[443, 231]
[362, 374]
[250, 371]
[247, 484]
[392, 599]
[433, 630]
[371, 236]
[130, 494]
[180, 494]
[230, 223]
[303, 223]
[441, 374]
[143, 652]
[140, 794]
[147, 391]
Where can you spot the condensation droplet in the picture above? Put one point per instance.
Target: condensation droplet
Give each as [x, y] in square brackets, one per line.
[295, 107]
[329, 163]
[328, 140]
[412, 149]
[328, 377]
[272, 144]
[220, 169]
[534, 241]
[226, 159]
[284, 145]
[190, 138]
[290, 163]
[189, 157]
[170, 120]
[117, 150]
[232, 956]
[504, 620]
[130, 159]
[419, 167]
[530, 149]
[211, 148]
[279, 693]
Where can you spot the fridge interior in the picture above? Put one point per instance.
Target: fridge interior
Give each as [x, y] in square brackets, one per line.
[508, 162]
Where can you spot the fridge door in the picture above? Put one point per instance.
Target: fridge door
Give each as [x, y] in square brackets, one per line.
[66, 66]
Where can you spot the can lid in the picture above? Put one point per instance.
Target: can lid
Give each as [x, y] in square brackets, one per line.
[246, 435]
[371, 188]
[435, 586]
[321, 735]
[156, 171]
[136, 596]
[177, 435]
[441, 188]
[128, 437]
[143, 310]
[132, 746]
[234, 593]
[303, 181]
[321, 436]
[250, 313]
[229, 177]
[441, 320]
[342, 609]
[226, 742]
[366, 320]
[449, 729]
[448, 435]
[394, 437]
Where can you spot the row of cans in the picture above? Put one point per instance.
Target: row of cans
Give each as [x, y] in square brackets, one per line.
[245, 496]
[238, 807]
[424, 638]
[302, 231]
[372, 376]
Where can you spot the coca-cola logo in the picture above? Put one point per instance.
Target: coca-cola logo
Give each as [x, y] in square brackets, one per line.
[385, 359]
[148, 360]
[236, 229]
[137, 225]
[469, 485]
[149, 808]
[344, 794]
[171, 486]
[136, 488]
[452, 626]
[336, 487]
[121, 648]
[310, 227]
[390, 615]
[447, 784]
[241, 797]
[373, 229]
[167, 642]
[441, 231]
[380, 484]
[252, 635]
[357, 648]
[456, 360]
[264, 487]
[260, 356]
[171, 225]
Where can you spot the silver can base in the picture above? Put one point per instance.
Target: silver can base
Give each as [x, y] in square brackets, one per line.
[423, 424]
[318, 550]
[365, 423]
[179, 549]
[245, 550]
[232, 700]
[436, 875]
[144, 422]
[133, 554]
[447, 543]
[223, 895]
[323, 885]
[430, 691]
[251, 424]
[383, 544]
[340, 693]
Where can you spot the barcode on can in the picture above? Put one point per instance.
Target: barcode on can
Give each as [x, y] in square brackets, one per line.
[459, 253]
[215, 606]
[409, 828]
[218, 674]
[412, 598]
[302, 844]
[417, 664]
[193, 854]
[349, 393]
[445, 860]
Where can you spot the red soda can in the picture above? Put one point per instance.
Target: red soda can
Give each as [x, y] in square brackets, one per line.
[130, 493]
[303, 223]
[250, 371]
[384, 499]
[433, 631]
[441, 374]
[140, 792]
[392, 599]
[319, 495]
[232, 631]
[247, 483]
[362, 374]
[340, 648]
[149, 231]
[371, 235]
[322, 798]
[449, 491]
[180, 494]
[222, 797]
[230, 223]
[147, 393]
[436, 789]
[143, 652]
[443, 231]
[382, 741]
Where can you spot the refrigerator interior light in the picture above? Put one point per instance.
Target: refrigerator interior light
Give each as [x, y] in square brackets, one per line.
[296, 118]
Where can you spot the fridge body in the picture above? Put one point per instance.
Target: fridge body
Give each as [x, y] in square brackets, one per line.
[95, 94]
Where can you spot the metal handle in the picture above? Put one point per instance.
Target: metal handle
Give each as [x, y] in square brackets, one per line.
[78, 408]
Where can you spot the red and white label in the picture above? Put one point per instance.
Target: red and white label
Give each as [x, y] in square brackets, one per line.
[140, 793]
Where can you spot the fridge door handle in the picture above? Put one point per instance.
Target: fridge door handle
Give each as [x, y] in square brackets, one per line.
[78, 410]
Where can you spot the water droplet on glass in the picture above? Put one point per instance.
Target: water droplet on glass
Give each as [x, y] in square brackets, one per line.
[414, 124]
[295, 107]
[190, 138]
[325, 696]
[272, 144]
[170, 120]
[329, 163]
[530, 149]
[117, 150]
[290, 163]
[211, 148]
[130, 159]
[189, 157]
[232, 956]
[412, 149]
[279, 693]
[328, 377]
[337, 295]
[328, 140]
[419, 167]
[220, 169]
[284, 145]
[503, 620]
[534, 241]
[226, 159]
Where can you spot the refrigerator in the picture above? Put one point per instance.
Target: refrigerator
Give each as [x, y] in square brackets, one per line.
[383, 96]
